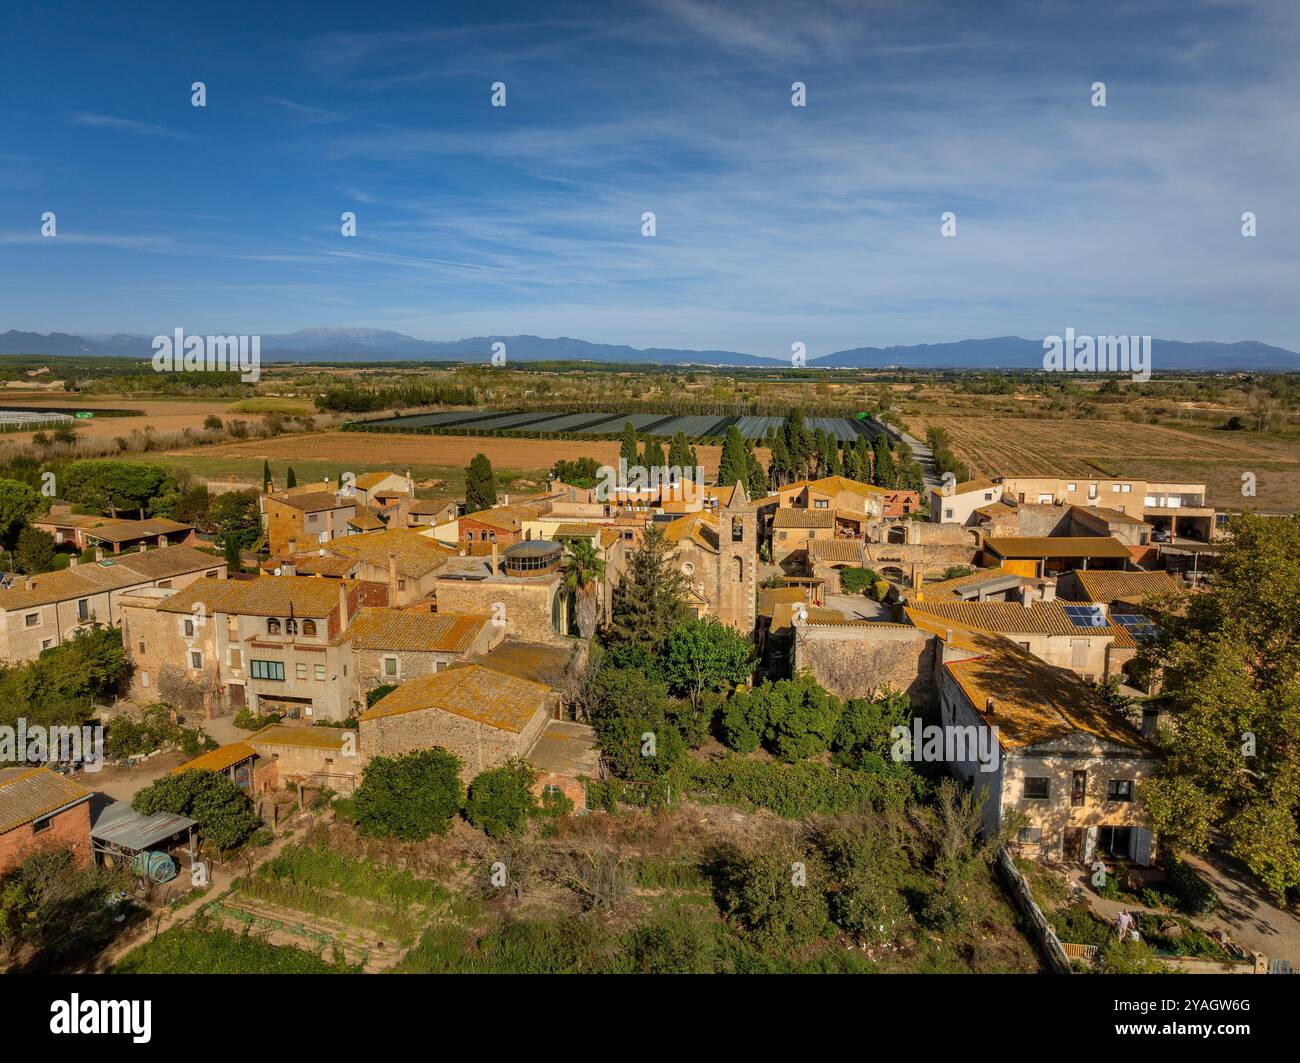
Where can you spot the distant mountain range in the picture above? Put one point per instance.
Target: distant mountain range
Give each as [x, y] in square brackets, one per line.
[380, 345]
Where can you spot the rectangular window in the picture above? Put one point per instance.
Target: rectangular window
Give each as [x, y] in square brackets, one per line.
[189, 629]
[1072, 487]
[390, 666]
[1037, 788]
[1079, 789]
[32, 620]
[196, 659]
[301, 671]
[1030, 835]
[39, 825]
[267, 670]
[142, 648]
[947, 514]
[401, 584]
[46, 643]
[1119, 790]
[211, 575]
[236, 658]
[83, 609]
[320, 672]
[819, 503]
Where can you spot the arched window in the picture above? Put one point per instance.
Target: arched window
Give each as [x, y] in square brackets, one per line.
[737, 530]
[291, 627]
[273, 626]
[309, 627]
[737, 569]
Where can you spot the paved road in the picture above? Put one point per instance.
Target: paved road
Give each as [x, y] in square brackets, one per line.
[922, 454]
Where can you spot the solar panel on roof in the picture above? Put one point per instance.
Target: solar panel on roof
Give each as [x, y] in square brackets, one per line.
[1139, 626]
[1086, 615]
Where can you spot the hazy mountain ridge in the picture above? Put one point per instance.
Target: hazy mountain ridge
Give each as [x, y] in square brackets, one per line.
[379, 345]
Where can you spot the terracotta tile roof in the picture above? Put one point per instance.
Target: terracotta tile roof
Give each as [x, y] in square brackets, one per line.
[29, 793]
[608, 537]
[1112, 516]
[472, 692]
[1033, 701]
[113, 573]
[428, 506]
[314, 501]
[540, 662]
[404, 629]
[365, 520]
[218, 759]
[783, 614]
[417, 555]
[837, 484]
[967, 486]
[315, 565]
[803, 518]
[303, 737]
[701, 528]
[308, 596]
[1038, 546]
[120, 531]
[511, 517]
[1102, 586]
[566, 748]
[835, 550]
[372, 479]
[577, 531]
[1012, 618]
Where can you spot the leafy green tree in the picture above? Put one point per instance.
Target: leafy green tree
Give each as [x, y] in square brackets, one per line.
[704, 654]
[650, 598]
[480, 485]
[236, 521]
[212, 423]
[409, 797]
[1230, 657]
[18, 503]
[794, 718]
[863, 738]
[223, 812]
[628, 706]
[34, 552]
[61, 684]
[778, 897]
[501, 799]
[867, 860]
[112, 486]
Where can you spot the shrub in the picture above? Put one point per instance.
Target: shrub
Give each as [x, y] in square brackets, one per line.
[1194, 894]
[409, 797]
[857, 580]
[777, 897]
[796, 790]
[501, 799]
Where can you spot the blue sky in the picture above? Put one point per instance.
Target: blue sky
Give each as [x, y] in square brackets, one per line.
[775, 224]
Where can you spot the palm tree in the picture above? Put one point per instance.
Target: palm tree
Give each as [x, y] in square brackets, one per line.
[583, 570]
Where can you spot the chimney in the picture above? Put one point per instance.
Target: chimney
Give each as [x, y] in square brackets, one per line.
[1026, 595]
[1049, 590]
[287, 568]
[99, 553]
[73, 560]
[392, 578]
[143, 547]
[494, 557]
[162, 540]
[989, 705]
[917, 576]
[343, 605]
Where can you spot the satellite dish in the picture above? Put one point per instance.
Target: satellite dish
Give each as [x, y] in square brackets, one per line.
[277, 572]
[321, 552]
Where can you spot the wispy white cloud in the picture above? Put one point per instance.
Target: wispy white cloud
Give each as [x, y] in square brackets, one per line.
[127, 125]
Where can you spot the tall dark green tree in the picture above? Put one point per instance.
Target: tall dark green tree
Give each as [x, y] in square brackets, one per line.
[480, 485]
[627, 449]
[679, 452]
[650, 598]
[886, 471]
[778, 469]
[266, 475]
[290, 480]
[653, 455]
[733, 466]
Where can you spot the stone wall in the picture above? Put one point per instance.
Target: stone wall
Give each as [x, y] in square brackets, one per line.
[478, 745]
[526, 604]
[858, 661]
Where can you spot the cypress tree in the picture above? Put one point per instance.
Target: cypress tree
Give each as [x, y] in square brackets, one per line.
[266, 476]
[290, 480]
[627, 449]
[480, 485]
[733, 467]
